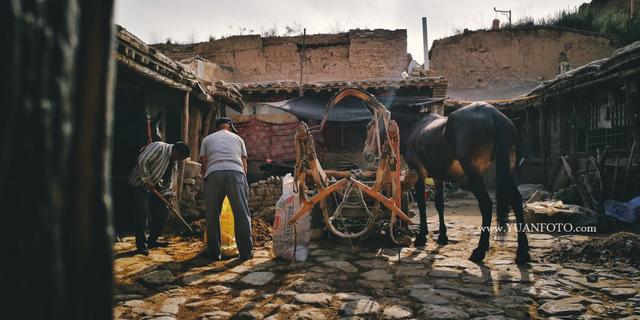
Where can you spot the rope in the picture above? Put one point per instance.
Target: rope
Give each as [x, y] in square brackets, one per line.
[295, 243]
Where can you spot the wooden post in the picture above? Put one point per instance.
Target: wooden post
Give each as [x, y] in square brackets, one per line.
[185, 118]
[195, 125]
[541, 136]
[207, 122]
[184, 137]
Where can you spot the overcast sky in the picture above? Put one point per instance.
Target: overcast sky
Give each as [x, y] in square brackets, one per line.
[184, 21]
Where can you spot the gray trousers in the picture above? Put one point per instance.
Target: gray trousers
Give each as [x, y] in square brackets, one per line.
[232, 184]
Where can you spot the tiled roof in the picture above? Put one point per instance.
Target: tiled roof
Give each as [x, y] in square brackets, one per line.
[439, 84]
[148, 62]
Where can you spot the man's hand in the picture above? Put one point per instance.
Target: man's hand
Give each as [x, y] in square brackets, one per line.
[150, 186]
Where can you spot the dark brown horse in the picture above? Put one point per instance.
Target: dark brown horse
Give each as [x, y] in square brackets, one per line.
[456, 148]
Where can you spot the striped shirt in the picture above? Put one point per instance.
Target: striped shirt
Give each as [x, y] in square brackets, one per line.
[152, 163]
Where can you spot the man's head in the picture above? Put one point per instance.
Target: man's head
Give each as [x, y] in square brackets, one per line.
[225, 124]
[180, 151]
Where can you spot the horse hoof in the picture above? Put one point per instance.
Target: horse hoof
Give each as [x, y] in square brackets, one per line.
[443, 239]
[477, 255]
[522, 258]
[420, 242]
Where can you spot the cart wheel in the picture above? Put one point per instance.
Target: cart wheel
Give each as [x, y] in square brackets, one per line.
[592, 181]
[345, 224]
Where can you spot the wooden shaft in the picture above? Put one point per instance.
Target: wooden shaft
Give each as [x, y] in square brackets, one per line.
[171, 208]
[307, 205]
[389, 203]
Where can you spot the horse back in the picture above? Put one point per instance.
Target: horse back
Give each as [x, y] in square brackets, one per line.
[477, 130]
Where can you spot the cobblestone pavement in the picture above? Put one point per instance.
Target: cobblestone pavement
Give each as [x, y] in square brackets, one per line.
[340, 281]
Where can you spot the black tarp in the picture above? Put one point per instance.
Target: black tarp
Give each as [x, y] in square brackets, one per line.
[349, 109]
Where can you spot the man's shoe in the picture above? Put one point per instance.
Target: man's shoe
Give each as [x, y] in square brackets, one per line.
[205, 254]
[158, 244]
[143, 251]
[246, 258]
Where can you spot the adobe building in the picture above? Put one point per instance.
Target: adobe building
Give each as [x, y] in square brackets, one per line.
[354, 55]
[157, 98]
[587, 113]
[310, 69]
[505, 63]
[284, 80]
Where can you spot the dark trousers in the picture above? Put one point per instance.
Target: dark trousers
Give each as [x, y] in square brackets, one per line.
[146, 205]
[232, 184]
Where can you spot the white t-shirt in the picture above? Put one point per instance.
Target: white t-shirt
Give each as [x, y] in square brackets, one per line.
[224, 151]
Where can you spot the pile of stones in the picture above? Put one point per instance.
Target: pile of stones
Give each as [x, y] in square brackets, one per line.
[263, 196]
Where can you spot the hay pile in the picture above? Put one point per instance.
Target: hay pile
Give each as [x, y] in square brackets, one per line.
[622, 248]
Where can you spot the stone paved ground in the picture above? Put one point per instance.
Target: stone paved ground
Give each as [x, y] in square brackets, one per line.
[344, 282]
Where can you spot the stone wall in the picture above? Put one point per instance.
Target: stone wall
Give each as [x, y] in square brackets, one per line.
[493, 64]
[263, 196]
[353, 55]
[192, 204]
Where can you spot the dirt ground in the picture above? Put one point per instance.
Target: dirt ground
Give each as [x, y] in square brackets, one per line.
[340, 281]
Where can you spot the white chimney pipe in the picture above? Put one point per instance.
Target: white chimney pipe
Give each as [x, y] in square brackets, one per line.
[425, 43]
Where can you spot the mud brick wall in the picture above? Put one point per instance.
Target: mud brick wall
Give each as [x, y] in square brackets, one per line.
[489, 58]
[353, 55]
[266, 140]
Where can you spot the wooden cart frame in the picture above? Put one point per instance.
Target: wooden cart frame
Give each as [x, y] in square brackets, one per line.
[387, 175]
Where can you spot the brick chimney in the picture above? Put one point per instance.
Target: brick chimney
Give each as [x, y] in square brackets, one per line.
[496, 24]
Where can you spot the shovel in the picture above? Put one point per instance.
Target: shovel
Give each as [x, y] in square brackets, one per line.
[171, 208]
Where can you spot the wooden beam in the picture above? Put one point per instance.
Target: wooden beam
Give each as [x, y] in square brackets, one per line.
[184, 137]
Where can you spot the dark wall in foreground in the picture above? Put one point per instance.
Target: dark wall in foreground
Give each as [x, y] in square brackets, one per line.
[55, 139]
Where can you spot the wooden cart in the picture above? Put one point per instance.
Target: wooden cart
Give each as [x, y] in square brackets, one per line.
[347, 212]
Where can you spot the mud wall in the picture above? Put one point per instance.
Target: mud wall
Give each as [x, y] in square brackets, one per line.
[514, 60]
[353, 55]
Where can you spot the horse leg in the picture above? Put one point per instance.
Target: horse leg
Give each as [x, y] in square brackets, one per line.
[522, 254]
[442, 236]
[503, 199]
[484, 202]
[421, 239]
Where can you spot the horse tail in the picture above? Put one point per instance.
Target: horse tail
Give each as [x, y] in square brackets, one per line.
[504, 142]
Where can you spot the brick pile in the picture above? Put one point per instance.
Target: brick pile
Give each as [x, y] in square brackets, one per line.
[263, 196]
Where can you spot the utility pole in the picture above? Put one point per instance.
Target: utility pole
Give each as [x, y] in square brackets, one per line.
[302, 59]
[505, 12]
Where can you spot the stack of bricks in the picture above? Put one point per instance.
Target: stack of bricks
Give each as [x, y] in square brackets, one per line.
[265, 140]
[263, 196]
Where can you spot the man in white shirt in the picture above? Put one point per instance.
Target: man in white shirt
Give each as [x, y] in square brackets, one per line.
[224, 162]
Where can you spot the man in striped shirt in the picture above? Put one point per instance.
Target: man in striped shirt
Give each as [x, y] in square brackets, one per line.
[153, 170]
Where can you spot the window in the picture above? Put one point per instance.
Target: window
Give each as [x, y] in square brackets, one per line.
[608, 123]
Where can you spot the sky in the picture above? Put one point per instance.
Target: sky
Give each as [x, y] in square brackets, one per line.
[196, 20]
